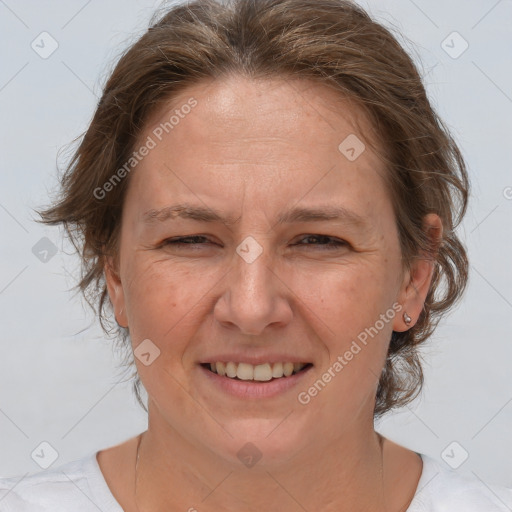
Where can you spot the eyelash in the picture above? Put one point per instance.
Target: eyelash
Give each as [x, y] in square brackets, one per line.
[333, 245]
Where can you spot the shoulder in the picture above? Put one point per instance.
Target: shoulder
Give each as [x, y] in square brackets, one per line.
[441, 488]
[77, 485]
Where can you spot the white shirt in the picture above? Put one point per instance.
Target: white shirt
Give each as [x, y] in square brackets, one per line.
[79, 486]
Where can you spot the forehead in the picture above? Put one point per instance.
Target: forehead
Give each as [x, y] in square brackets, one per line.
[264, 108]
[240, 137]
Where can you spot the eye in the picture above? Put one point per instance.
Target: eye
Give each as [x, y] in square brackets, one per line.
[324, 241]
[185, 241]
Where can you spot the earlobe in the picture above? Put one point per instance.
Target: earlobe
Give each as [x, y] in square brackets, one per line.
[417, 280]
[115, 292]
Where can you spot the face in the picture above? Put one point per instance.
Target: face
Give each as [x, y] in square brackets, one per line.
[249, 235]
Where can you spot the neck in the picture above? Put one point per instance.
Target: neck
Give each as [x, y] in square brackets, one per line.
[347, 475]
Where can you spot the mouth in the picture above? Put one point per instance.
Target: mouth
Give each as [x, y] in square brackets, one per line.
[265, 372]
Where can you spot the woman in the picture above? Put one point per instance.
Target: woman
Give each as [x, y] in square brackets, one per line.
[266, 202]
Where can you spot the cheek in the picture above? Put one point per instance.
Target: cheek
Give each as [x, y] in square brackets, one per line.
[350, 297]
[157, 297]
[163, 304]
[349, 302]
[346, 306]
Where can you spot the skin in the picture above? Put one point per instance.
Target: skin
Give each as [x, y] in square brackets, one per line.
[251, 149]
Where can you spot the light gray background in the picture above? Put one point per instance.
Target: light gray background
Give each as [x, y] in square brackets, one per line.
[60, 379]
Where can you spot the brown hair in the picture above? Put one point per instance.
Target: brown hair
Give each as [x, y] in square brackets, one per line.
[334, 42]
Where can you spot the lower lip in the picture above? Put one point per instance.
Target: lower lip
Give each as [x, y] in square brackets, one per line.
[254, 389]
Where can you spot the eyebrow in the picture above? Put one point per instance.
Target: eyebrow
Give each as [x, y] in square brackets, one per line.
[320, 213]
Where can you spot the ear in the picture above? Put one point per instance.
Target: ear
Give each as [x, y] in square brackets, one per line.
[417, 279]
[115, 291]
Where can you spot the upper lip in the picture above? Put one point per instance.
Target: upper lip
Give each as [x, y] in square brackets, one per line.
[254, 359]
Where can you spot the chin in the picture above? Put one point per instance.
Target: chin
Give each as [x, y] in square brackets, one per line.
[263, 441]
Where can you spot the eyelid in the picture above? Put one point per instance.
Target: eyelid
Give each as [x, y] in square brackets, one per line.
[334, 243]
[319, 235]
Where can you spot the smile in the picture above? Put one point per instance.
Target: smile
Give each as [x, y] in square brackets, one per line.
[261, 373]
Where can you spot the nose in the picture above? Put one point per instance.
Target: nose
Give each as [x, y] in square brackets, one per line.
[254, 296]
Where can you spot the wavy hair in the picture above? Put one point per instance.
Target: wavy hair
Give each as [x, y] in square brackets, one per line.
[334, 42]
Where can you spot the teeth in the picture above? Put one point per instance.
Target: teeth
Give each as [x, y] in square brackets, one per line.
[261, 372]
[277, 370]
[287, 369]
[245, 371]
[221, 368]
[231, 369]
